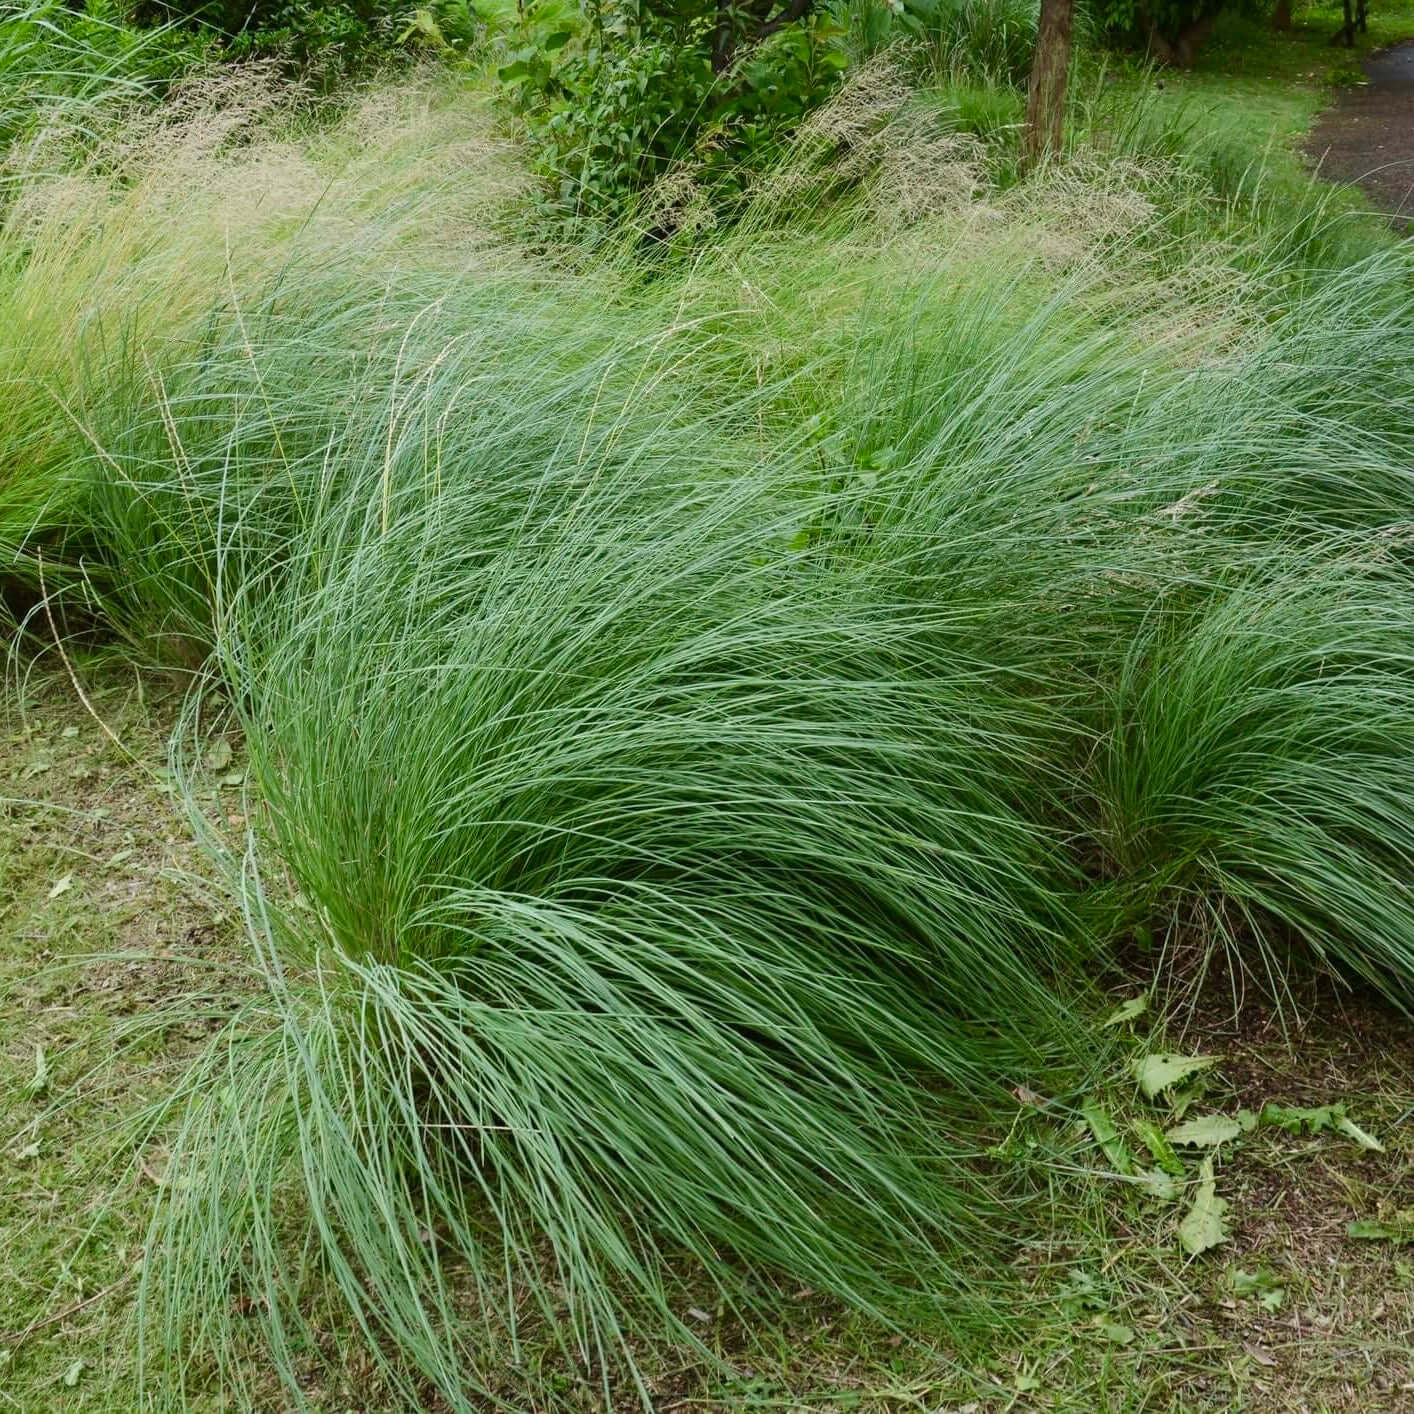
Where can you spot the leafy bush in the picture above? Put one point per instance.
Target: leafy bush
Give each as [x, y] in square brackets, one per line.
[607, 122]
[325, 40]
[615, 107]
[628, 97]
[337, 35]
[1170, 30]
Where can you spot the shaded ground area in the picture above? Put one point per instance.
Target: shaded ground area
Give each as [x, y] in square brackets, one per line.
[104, 924]
[106, 917]
[1368, 136]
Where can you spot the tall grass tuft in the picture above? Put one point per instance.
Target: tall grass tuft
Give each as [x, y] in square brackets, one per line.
[139, 247]
[655, 894]
[1252, 787]
[73, 61]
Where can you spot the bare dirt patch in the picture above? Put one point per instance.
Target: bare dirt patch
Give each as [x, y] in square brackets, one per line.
[1342, 1334]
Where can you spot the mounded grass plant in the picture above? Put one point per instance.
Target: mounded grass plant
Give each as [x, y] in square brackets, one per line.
[642, 770]
[1251, 788]
[701, 923]
[141, 251]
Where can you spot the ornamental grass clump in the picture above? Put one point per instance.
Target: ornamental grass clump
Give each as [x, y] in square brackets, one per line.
[1252, 788]
[146, 251]
[647, 896]
[707, 720]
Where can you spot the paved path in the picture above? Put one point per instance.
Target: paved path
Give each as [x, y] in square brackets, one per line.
[1368, 136]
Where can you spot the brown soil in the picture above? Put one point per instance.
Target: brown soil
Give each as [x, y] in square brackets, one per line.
[1368, 136]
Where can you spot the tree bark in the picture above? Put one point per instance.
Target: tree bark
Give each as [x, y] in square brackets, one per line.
[747, 24]
[1281, 17]
[723, 38]
[1045, 97]
[1346, 33]
[1189, 38]
[1161, 51]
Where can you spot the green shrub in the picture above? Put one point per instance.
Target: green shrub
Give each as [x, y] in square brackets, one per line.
[614, 106]
[608, 122]
[624, 98]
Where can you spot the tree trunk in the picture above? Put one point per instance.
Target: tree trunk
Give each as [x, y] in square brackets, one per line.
[1161, 51]
[723, 38]
[1281, 17]
[1189, 38]
[1045, 98]
[742, 25]
[1346, 33]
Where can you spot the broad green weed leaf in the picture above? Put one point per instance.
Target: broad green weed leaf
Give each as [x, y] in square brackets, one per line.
[1205, 1132]
[1295, 1120]
[39, 1081]
[1160, 1185]
[1159, 1147]
[1128, 1011]
[1313, 1121]
[1397, 1227]
[1262, 1285]
[1351, 1130]
[1080, 1295]
[1107, 1136]
[1158, 1073]
[1114, 1331]
[1204, 1226]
